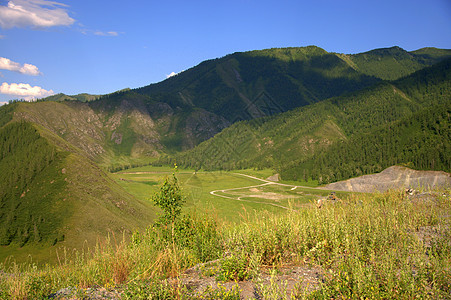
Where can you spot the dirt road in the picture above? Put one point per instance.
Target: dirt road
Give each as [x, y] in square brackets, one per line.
[266, 182]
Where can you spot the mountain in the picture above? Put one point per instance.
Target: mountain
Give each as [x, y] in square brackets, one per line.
[132, 127]
[80, 97]
[246, 85]
[395, 62]
[122, 128]
[358, 133]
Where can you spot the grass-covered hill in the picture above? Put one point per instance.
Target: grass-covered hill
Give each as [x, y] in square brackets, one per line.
[52, 195]
[79, 97]
[397, 122]
[395, 62]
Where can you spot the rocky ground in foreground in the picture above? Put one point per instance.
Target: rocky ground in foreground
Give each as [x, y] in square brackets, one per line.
[200, 281]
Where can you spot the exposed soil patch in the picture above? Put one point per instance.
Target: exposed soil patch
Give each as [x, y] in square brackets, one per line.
[291, 280]
[394, 177]
[269, 196]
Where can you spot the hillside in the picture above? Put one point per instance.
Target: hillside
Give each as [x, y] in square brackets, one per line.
[52, 195]
[293, 143]
[79, 97]
[395, 62]
[122, 129]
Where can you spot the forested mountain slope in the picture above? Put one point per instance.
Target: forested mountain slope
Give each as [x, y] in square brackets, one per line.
[245, 85]
[51, 195]
[295, 142]
[395, 62]
[122, 128]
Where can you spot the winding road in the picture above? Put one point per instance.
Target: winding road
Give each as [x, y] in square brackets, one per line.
[266, 182]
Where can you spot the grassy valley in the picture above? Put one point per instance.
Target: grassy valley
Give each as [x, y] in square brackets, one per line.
[79, 174]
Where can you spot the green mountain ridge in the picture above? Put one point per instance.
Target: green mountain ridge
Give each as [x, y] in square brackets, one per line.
[133, 127]
[232, 86]
[84, 97]
[303, 136]
[395, 62]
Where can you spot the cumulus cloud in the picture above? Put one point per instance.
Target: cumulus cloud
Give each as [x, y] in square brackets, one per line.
[173, 74]
[3, 103]
[34, 13]
[28, 69]
[24, 90]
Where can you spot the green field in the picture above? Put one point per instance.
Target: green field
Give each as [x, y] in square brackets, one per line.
[236, 195]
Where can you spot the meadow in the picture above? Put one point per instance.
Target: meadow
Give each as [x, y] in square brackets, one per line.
[143, 182]
[366, 246]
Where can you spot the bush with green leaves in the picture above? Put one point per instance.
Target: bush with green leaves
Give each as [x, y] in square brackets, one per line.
[170, 200]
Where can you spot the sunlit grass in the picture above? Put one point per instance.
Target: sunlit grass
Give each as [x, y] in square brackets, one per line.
[368, 246]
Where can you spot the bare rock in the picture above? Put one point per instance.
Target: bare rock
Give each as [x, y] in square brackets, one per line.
[394, 177]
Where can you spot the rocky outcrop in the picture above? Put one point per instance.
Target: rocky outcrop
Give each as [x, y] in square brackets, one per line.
[394, 177]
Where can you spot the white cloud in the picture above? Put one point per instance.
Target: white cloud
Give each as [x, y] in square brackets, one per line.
[3, 103]
[34, 13]
[173, 74]
[28, 69]
[24, 90]
[109, 33]
[87, 31]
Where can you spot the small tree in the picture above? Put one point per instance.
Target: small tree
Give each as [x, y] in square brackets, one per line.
[170, 200]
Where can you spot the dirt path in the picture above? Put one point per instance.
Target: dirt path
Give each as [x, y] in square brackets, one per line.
[266, 182]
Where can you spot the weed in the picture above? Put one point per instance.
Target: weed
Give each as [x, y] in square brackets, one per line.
[274, 290]
[221, 292]
[234, 267]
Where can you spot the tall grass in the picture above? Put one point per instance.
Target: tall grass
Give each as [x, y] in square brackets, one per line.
[368, 246]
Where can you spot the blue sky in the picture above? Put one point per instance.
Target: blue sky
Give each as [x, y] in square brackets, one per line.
[98, 47]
